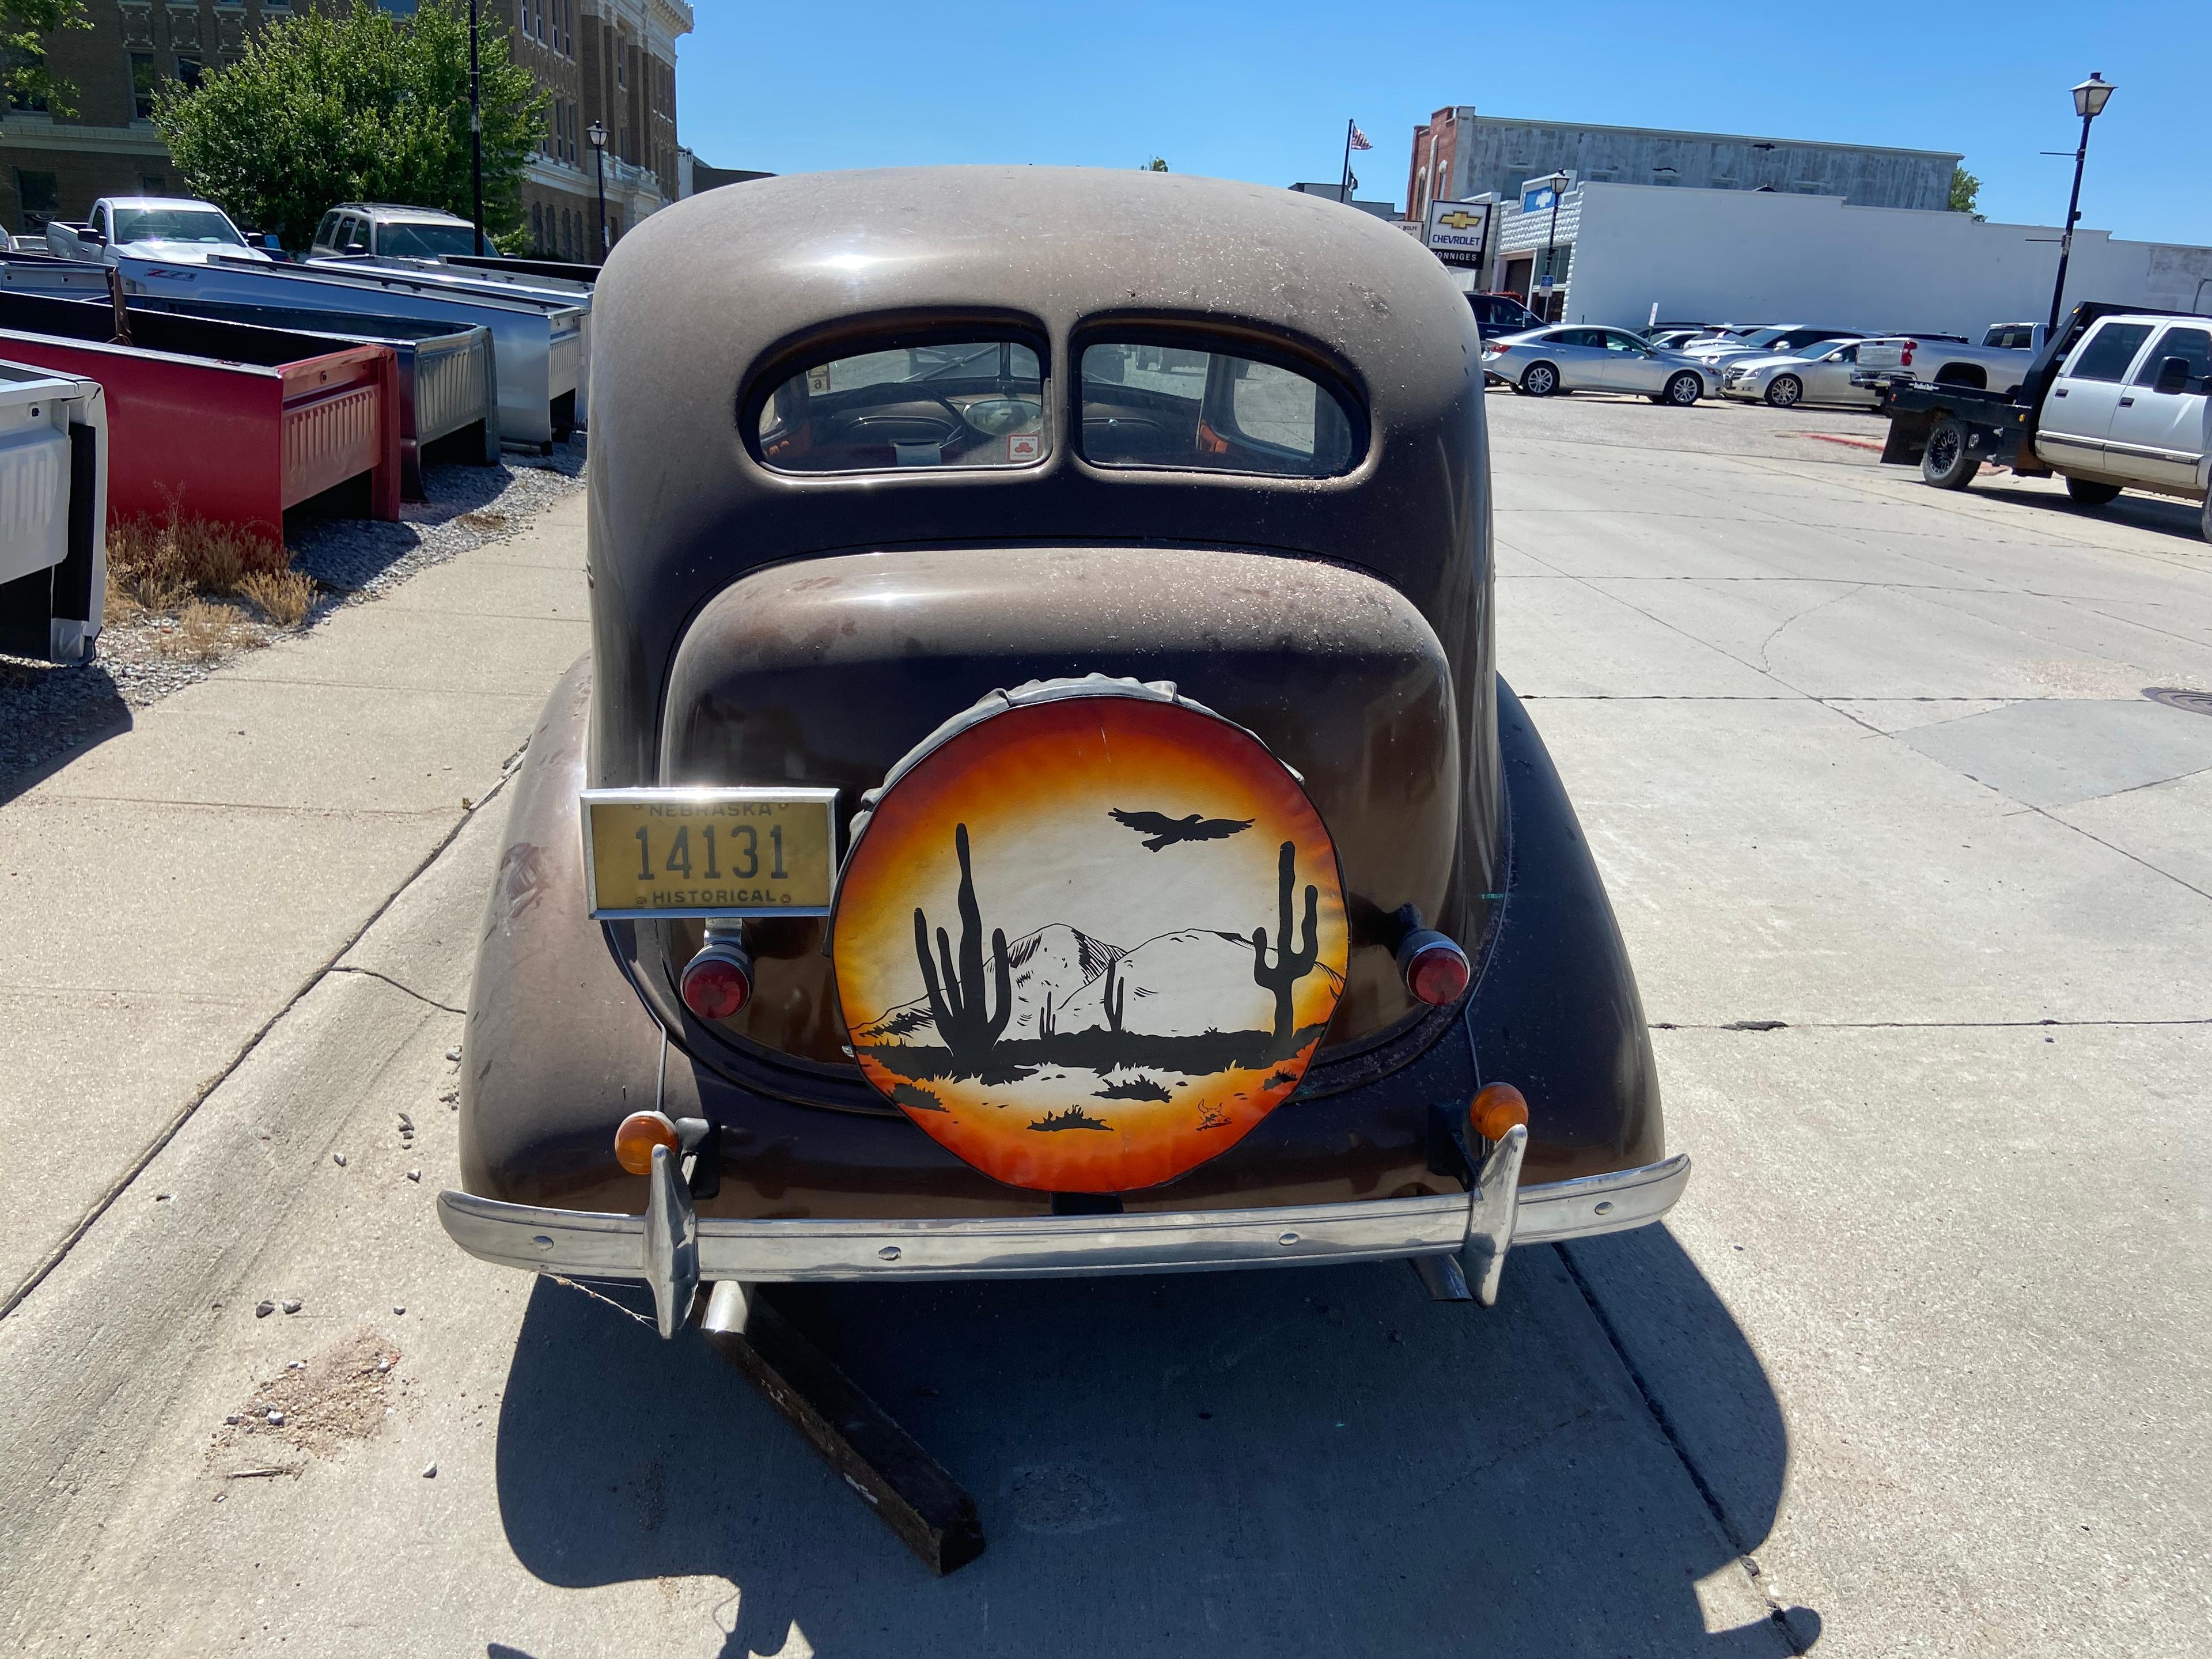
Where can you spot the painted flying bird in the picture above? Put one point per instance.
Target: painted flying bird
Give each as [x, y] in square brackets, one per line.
[1166, 831]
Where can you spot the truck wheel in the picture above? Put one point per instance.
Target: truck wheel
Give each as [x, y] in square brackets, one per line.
[1540, 380]
[1784, 390]
[1947, 463]
[1684, 389]
[2206, 523]
[2086, 492]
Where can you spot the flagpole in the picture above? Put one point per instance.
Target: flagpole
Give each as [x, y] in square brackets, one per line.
[1344, 185]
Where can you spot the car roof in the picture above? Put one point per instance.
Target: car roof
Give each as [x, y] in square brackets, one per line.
[705, 306]
[401, 210]
[162, 201]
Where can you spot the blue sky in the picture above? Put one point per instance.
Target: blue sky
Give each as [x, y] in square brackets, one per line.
[1246, 90]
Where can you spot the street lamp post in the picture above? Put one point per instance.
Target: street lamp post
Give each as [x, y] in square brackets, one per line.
[2089, 100]
[476, 129]
[598, 135]
[1558, 181]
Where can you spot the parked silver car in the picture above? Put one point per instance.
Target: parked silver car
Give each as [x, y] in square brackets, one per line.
[1817, 373]
[1585, 357]
[1766, 343]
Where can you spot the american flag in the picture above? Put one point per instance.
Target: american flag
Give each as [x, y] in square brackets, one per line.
[1359, 138]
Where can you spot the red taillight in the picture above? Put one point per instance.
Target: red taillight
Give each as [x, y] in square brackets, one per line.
[1910, 346]
[718, 982]
[1436, 969]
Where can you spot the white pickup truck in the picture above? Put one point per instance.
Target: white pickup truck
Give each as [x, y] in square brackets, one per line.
[1996, 365]
[175, 229]
[2121, 399]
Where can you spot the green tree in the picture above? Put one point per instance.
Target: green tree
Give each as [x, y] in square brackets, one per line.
[24, 82]
[1964, 188]
[1155, 165]
[356, 105]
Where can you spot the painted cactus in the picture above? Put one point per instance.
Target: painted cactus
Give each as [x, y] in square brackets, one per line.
[959, 1003]
[1290, 966]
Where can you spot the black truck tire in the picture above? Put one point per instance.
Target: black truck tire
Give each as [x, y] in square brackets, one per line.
[2087, 492]
[1947, 462]
[2205, 522]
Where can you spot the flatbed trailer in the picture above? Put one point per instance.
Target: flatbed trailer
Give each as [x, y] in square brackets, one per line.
[1947, 431]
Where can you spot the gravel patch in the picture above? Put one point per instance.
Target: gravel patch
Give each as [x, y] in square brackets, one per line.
[47, 713]
[469, 506]
[310, 1408]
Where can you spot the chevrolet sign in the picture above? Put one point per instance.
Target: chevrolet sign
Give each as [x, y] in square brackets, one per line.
[1459, 227]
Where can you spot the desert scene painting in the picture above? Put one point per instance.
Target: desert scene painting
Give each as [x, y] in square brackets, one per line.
[1088, 944]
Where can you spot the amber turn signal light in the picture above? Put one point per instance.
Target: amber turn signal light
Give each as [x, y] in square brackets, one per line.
[639, 1134]
[1436, 969]
[1497, 1108]
[719, 980]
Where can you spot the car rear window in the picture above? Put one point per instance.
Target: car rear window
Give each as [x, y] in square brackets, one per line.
[2106, 353]
[973, 403]
[1217, 412]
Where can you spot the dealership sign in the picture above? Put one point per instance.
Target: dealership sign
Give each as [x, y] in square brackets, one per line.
[1460, 227]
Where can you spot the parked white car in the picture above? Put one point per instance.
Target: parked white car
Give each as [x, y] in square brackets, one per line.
[2121, 400]
[2131, 408]
[1766, 341]
[385, 230]
[1820, 373]
[175, 229]
[1586, 357]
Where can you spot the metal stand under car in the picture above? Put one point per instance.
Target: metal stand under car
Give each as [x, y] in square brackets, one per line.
[911, 1491]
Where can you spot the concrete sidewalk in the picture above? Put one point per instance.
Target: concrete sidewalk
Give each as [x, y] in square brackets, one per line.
[168, 894]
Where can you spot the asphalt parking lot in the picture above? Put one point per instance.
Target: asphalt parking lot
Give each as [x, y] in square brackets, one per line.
[1915, 883]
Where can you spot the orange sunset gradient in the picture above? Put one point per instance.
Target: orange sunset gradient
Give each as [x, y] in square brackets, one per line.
[1035, 788]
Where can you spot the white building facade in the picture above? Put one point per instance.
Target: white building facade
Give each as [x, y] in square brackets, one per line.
[1736, 255]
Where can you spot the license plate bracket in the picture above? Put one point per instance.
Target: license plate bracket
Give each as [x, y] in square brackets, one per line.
[739, 851]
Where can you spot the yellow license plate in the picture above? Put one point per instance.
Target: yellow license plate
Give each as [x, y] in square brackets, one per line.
[710, 852]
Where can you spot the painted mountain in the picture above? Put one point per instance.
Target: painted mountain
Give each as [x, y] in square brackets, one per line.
[1180, 985]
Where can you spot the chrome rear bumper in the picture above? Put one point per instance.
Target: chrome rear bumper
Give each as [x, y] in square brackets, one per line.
[672, 1250]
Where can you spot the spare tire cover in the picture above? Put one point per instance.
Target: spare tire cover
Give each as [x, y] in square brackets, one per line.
[1088, 935]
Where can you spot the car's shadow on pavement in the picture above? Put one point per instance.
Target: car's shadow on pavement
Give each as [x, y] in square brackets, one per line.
[2162, 515]
[1266, 1463]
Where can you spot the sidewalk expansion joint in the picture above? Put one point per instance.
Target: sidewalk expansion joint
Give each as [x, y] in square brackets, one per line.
[100, 1205]
[1776, 1614]
[371, 972]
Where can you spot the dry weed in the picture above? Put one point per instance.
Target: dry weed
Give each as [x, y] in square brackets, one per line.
[168, 565]
[282, 597]
[205, 631]
[197, 554]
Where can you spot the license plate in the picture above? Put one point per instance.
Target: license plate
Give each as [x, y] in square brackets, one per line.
[742, 852]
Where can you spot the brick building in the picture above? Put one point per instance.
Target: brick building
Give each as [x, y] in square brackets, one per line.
[610, 61]
[1459, 155]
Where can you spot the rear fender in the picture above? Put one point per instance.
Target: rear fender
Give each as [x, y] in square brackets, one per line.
[559, 1047]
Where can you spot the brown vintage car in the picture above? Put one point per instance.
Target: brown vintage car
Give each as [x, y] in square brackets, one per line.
[1040, 801]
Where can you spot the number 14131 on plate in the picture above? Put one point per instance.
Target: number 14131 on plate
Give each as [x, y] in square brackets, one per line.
[735, 852]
